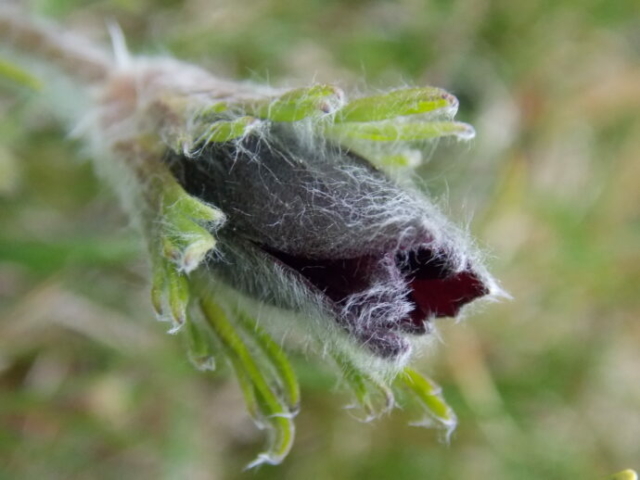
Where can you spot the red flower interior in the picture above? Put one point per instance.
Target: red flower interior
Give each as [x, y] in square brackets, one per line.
[434, 289]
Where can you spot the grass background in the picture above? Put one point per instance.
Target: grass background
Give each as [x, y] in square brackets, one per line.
[546, 386]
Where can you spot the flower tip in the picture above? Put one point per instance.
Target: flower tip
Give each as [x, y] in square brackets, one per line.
[495, 291]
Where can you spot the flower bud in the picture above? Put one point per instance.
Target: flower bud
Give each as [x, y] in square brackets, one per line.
[315, 228]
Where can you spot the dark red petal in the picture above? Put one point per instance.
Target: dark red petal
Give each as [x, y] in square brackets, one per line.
[444, 297]
[336, 278]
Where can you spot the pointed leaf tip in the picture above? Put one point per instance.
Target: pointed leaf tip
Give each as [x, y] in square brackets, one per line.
[428, 394]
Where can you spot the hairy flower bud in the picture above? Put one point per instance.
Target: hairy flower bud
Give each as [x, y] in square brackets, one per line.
[253, 199]
[316, 219]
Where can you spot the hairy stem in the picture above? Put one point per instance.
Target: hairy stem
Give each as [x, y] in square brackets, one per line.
[70, 53]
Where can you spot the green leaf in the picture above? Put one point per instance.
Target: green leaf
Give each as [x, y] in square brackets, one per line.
[199, 347]
[410, 159]
[410, 101]
[368, 391]
[427, 393]
[226, 130]
[185, 242]
[271, 410]
[400, 132]
[277, 358]
[169, 293]
[297, 104]
[178, 299]
[177, 227]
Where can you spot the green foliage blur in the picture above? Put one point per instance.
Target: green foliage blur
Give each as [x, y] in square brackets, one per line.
[546, 386]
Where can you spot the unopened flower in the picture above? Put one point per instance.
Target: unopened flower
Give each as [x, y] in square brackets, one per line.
[314, 227]
[269, 211]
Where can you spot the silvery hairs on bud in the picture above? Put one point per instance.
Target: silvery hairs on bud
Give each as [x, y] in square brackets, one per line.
[376, 259]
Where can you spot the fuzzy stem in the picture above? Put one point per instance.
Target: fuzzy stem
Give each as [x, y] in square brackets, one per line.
[72, 54]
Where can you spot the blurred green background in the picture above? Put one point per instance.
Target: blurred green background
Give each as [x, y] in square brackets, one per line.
[546, 386]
